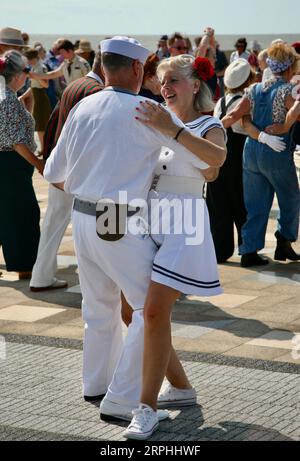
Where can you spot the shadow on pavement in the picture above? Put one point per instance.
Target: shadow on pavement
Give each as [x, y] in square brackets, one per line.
[55, 297]
[189, 422]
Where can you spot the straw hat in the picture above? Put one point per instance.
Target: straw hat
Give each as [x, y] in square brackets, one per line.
[11, 36]
[84, 47]
[237, 73]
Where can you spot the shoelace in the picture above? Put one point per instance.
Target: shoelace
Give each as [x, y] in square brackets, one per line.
[141, 417]
[167, 391]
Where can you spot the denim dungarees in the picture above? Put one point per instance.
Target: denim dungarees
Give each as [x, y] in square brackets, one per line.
[266, 172]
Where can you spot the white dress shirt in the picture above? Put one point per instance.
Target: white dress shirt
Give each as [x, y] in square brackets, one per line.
[235, 55]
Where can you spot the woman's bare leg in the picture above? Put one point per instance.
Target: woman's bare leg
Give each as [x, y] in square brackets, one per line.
[175, 373]
[157, 339]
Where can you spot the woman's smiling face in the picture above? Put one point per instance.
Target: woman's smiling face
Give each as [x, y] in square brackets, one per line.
[178, 91]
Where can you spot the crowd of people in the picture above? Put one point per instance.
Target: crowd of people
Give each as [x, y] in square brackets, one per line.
[179, 125]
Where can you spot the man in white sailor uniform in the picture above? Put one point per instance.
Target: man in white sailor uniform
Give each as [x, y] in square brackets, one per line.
[102, 150]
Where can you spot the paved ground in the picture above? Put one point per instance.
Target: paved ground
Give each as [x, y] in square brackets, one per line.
[241, 351]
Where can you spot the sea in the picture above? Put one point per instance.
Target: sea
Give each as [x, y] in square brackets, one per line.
[149, 41]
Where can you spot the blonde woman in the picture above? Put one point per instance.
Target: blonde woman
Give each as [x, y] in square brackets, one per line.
[267, 172]
[179, 266]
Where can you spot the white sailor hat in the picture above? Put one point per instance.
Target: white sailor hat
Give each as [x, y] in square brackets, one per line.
[237, 73]
[125, 46]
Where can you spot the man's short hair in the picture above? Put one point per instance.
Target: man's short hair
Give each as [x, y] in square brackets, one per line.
[66, 45]
[114, 62]
[175, 36]
[31, 53]
[241, 42]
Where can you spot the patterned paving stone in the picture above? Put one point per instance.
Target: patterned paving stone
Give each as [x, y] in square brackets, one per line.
[47, 402]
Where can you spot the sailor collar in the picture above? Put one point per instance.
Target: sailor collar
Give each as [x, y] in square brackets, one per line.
[116, 89]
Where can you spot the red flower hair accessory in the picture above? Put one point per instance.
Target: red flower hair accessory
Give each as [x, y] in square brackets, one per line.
[203, 68]
[2, 64]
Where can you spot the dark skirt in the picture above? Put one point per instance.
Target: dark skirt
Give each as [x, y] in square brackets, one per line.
[41, 108]
[19, 213]
[225, 199]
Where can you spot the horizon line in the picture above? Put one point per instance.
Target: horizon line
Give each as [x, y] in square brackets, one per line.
[159, 33]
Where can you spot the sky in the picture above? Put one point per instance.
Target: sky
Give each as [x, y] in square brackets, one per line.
[151, 16]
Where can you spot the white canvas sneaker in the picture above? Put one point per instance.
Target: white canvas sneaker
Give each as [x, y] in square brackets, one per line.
[143, 424]
[173, 397]
[112, 411]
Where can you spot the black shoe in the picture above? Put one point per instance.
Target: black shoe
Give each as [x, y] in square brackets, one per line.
[253, 259]
[93, 398]
[284, 249]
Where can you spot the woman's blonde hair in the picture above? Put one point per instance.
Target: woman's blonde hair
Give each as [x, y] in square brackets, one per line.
[263, 55]
[183, 64]
[282, 53]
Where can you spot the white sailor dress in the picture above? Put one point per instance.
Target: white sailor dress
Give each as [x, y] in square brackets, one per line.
[189, 268]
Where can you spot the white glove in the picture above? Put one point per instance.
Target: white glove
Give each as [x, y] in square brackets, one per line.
[275, 142]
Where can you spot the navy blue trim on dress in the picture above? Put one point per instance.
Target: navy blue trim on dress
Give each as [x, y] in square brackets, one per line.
[200, 123]
[208, 128]
[183, 279]
[186, 283]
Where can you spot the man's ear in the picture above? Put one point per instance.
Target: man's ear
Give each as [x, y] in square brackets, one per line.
[136, 66]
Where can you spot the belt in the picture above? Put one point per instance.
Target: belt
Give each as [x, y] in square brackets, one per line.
[85, 207]
[111, 218]
[178, 185]
[89, 208]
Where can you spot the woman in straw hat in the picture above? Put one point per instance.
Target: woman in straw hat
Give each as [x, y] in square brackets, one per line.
[11, 39]
[265, 172]
[86, 52]
[19, 230]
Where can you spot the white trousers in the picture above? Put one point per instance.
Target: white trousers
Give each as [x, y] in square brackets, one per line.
[55, 222]
[106, 268]
[126, 385]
